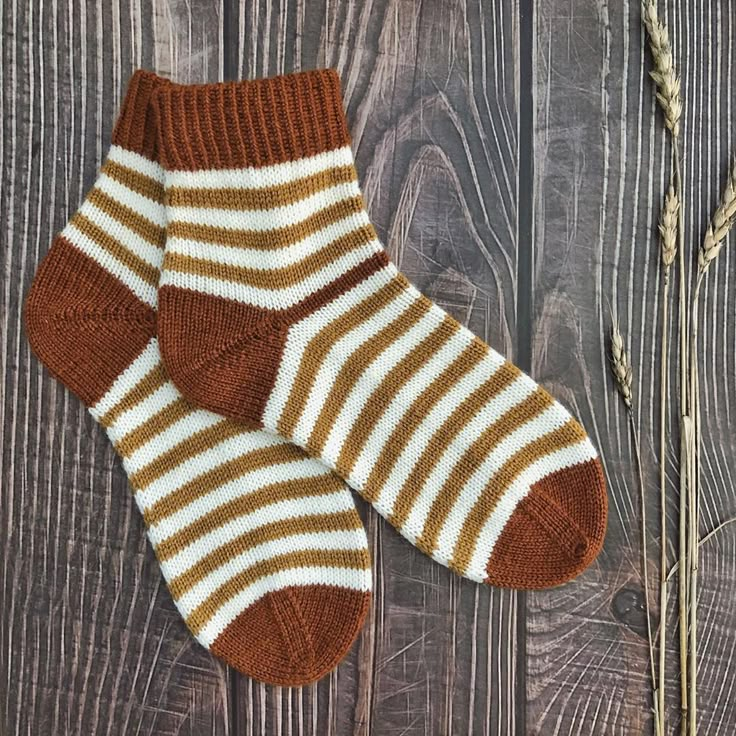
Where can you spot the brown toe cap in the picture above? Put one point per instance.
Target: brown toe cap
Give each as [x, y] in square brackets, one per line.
[295, 635]
[555, 532]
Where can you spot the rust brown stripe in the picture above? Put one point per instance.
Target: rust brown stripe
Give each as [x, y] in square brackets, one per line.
[114, 247]
[288, 490]
[152, 381]
[442, 438]
[410, 421]
[474, 456]
[277, 530]
[385, 392]
[565, 436]
[192, 446]
[321, 344]
[153, 426]
[281, 237]
[134, 180]
[277, 278]
[348, 558]
[265, 198]
[201, 485]
[140, 225]
[356, 364]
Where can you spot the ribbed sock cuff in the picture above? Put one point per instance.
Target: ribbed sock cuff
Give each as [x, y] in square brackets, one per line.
[250, 123]
[135, 128]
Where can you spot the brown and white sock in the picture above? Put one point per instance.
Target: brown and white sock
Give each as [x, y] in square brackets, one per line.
[261, 547]
[280, 307]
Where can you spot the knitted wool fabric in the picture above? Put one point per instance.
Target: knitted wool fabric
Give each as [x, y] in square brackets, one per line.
[279, 307]
[261, 547]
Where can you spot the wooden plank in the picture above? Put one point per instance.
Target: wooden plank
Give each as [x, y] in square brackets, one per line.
[90, 641]
[600, 171]
[431, 99]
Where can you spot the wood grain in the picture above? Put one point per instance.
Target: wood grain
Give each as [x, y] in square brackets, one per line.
[512, 160]
[600, 171]
[90, 641]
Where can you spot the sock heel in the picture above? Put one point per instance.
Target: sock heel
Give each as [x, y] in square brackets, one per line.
[223, 355]
[83, 324]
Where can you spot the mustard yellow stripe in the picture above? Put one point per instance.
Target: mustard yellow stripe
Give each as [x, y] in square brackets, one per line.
[264, 198]
[348, 558]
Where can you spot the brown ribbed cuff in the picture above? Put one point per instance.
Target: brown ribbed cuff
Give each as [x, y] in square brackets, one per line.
[135, 128]
[251, 123]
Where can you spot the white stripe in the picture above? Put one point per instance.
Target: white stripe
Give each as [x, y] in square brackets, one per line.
[299, 338]
[249, 482]
[320, 391]
[370, 381]
[151, 254]
[263, 176]
[359, 580]
[226, 451]
[270, 298]
[262, 220]
[288, 508]
[411, 453]
[137, 415]
[323, 541]
[486, 541]
[169, 438]
[128, 379]
[153, 211]
[141, 164]
[142, 289]
[491, 412]
[243, 257]
[403, 402]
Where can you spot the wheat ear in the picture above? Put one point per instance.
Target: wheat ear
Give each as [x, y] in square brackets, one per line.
[667, 80]
[720, 224]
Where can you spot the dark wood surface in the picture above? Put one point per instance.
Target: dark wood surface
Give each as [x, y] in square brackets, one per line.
[512, 159]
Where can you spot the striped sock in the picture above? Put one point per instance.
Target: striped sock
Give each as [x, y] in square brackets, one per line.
[261, 547]
[279, 307]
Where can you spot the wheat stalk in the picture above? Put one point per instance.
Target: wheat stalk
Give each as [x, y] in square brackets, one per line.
[713, 242]
[667, 80]
[670, 100]
[623, 376]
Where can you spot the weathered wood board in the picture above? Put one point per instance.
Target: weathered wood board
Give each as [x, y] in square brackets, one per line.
[512, 159]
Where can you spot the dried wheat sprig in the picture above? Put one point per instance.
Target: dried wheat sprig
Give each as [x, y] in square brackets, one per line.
[621, 367]
[713, 242]
[664, 74]
[720, 224]
[669, 98]
[623, 375]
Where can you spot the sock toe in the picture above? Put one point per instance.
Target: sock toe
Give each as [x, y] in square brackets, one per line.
[283, 639]
[555, 532]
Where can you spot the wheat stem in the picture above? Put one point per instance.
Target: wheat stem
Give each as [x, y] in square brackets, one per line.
[668, 244]
[683, 501]
[623, 378]
[713, 242]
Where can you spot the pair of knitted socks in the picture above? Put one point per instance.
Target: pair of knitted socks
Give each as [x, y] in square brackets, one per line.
[221, 302]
